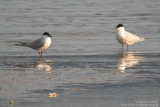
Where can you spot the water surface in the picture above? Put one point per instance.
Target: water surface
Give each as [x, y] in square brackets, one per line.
[84, 66]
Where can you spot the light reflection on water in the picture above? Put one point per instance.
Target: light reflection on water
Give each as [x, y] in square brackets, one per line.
[128, 60]
[82, 68]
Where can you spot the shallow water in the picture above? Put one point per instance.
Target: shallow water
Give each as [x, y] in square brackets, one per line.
[84, 66]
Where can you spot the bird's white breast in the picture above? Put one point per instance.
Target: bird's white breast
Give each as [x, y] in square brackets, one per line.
[47, 43]
[121, 36]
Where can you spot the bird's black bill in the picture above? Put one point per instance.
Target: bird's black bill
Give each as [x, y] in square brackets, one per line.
[49, 35]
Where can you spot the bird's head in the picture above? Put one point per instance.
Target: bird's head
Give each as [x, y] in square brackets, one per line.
[46, 34]
[119, 26]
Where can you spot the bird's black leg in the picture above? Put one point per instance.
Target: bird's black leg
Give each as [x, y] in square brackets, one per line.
[122, 48]
[127, 48]
[41, 53]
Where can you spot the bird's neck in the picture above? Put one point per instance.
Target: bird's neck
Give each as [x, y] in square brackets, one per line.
[46, 37]
[121, 31]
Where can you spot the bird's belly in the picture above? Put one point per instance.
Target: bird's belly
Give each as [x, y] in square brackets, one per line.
[46, 44]
[121, 40]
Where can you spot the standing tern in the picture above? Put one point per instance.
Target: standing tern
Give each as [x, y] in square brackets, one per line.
[126, 38]
[40, 44]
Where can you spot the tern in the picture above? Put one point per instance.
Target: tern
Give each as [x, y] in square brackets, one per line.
[126, 38]
[40, 44]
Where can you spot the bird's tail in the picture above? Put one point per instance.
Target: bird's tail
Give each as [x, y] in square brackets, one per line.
[143, 39]
[21, 44]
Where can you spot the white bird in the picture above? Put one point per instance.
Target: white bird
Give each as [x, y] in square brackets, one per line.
[40, 44]
[126, 38]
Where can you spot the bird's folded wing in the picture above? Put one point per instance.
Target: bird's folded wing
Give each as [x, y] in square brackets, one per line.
[131, 38]
[37, 43]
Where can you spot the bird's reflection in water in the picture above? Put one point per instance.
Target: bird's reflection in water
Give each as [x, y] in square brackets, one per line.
[43, 66]
[127, 60]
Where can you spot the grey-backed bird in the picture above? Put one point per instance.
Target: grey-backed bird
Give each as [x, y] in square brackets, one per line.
[40, 44]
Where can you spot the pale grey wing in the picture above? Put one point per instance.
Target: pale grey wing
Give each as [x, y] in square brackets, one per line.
[131, 38]
[37, 43]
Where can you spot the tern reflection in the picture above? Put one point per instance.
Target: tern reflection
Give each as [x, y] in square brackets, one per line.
[41, 64]
[127, 60]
